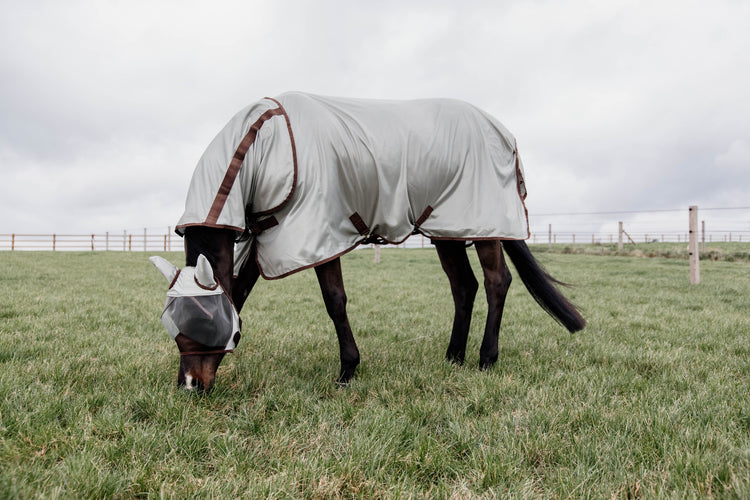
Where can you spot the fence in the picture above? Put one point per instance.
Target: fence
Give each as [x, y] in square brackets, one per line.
[723, 224]
[638, 227]
[166, 242]
[637, 237]
[126, 242]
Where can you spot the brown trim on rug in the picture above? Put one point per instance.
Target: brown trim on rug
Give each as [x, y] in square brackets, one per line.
[329, 259]
[324, 261]
[519, 181]
[234, 166]
[359, 224]
[294, 160]
[483, 238]
[203, 224]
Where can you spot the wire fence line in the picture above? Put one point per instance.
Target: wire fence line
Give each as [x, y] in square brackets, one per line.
[171, 242]
[719, 224]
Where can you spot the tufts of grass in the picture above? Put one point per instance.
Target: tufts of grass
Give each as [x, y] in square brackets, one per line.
[649, 400]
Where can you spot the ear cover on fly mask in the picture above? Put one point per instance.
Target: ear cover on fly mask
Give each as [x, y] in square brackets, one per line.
[165, 267]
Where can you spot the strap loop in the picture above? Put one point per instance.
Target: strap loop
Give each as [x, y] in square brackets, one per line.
[359, 224]
[258, 226]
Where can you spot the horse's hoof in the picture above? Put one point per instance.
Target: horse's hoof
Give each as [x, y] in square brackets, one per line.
[343, 384]
[345, 377]
[486, 364]
[455, 357]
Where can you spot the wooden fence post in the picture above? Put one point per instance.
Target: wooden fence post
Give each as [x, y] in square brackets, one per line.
[377, 254]
[549, 238]
[695, 274]
[619, 236]
[130, 242]
[92, 242]
[12, 242]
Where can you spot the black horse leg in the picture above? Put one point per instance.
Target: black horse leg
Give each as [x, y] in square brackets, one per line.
[245, 280]
[332, 286]
[496, 283]
[464, 288]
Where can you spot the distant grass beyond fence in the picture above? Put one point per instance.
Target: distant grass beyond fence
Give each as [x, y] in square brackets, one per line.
[729, 252]
[650, 400]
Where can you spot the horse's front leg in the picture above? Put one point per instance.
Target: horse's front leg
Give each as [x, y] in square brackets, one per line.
[332, 286]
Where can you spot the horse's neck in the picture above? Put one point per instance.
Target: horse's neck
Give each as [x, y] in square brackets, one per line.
[217, 245]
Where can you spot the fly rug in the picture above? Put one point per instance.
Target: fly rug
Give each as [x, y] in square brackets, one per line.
[308, 178]
[296, 181]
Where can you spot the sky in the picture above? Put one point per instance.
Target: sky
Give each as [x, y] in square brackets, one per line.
[106, 106]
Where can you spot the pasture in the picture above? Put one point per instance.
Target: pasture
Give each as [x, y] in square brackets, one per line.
[651, 399]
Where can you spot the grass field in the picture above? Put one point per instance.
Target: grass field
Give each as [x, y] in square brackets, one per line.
[650, 400]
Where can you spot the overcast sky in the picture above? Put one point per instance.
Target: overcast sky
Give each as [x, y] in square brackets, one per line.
[105, 107]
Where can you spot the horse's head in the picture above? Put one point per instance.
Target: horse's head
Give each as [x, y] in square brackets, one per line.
[200, 316]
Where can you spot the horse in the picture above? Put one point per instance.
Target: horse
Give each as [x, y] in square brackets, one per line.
[271, 194]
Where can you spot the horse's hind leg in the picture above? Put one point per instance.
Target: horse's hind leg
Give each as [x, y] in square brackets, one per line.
[464, 288]
[496, 282]
[332, 286]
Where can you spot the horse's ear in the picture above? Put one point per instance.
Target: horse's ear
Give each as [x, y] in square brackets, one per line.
[168, 269]
[204, 275]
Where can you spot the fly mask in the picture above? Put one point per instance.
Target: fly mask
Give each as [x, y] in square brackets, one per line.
[198, 307]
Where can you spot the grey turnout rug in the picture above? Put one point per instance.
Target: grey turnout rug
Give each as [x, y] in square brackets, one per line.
[308, 178]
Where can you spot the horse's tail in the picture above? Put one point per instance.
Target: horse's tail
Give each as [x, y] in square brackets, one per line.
[541, 286]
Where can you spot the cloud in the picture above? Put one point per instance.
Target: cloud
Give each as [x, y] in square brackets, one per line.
[736, 158]
[105, 108]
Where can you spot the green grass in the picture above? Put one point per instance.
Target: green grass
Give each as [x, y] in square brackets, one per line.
[651, 399]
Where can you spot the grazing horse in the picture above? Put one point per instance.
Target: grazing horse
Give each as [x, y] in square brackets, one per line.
[295, 182]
